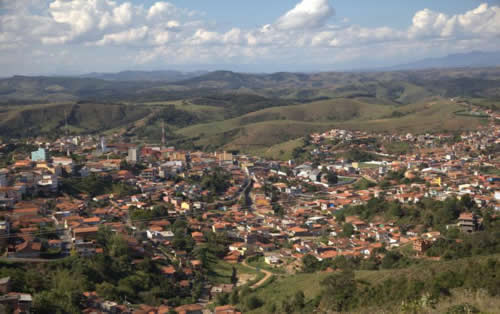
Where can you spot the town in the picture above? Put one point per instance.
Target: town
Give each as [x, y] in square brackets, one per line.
[212, 223]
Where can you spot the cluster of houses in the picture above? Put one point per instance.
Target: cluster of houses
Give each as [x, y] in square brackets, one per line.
[280, 210]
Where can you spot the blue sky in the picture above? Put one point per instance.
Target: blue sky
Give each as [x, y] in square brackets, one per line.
[369, 13]
[78, 36]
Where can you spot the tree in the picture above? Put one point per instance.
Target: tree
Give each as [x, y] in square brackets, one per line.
[395, 209]
[222, 299]
[298, 152]
[286, 306]
[311, 263]
[234, 298]
[234, 276]
[118, 246]
[217, 182]
[107, 291]
[332, 178]
[278, 210]
[390, 259]
[347, 230]
[466, 202]
[298, 300]
[338, 291]
[253, 302]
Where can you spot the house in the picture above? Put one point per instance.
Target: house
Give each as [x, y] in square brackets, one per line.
[85, 233]
[226, 309]
[298, 232]
[272, 260]
[220, 227]
[198, 236]
[28, 249]
[85, 249]
[421, 245]
[17, 302]
[4, 233]
[233, 257]
[168, 270]
[238, 246]
[189, 309]
[467, 222]
[5, 285]
[328, 254]
[222, 288]
[159, 235]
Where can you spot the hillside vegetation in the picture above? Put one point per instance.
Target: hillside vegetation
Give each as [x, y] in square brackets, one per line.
[248, 112]
[383, 291]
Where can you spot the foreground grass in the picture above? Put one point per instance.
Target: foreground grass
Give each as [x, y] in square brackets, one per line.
[221, 271]
[285, 287]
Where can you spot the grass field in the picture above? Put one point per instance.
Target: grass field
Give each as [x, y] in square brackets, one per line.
[261, 264]
[221, 271]
[275, 132]
[285, 287]
[272, 132]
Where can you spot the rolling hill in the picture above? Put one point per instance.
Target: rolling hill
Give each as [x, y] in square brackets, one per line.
[164, 76]
[284, 288]
[470, 59]
[259, 113]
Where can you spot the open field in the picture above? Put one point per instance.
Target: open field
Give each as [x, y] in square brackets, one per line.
[276, 131]
[253, 113]
[283, 288]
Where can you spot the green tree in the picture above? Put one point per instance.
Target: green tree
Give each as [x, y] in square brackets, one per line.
[234, 276]
[107, 291]
[310, 263]
[253, 302]
[222, 299]
[338, 291]
[234, 298]
[347, 230]
[299, 301]
[332, 177]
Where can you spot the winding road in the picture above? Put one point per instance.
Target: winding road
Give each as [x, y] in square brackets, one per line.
[268, 275]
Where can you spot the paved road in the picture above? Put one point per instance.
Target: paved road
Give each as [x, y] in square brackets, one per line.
[260, 282]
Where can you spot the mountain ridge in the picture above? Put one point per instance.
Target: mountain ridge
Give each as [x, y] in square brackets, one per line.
[471, 59]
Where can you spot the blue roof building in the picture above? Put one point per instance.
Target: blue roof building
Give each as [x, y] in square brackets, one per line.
[38, 155]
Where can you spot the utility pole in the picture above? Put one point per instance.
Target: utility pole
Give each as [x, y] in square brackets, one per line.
[66, 122]
[163, 133]
[67, 132]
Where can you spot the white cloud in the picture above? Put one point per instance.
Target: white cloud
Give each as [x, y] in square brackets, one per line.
[233, 36]
[161, 9]
[104, 22]
[482, 21]
[162, 31]
[306, 14]
[203, 36]
[125, 37]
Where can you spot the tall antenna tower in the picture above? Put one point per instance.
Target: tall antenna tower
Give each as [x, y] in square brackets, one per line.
[67, 131]
[66, 122]
[163, 133]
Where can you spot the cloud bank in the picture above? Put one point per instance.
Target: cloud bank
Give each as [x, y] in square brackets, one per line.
[81, 35]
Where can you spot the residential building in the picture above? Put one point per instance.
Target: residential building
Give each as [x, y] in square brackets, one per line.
[38, 155]
[467, 222]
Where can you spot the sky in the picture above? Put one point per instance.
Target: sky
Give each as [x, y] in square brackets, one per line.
[61, 37]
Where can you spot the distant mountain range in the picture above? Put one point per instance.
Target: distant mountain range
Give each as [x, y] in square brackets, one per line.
[470, 59]
[474, 59]
[164, 76]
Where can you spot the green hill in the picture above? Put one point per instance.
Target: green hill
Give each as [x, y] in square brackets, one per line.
[81, 118]
[248, 112]
[283, 288]
[276, 125]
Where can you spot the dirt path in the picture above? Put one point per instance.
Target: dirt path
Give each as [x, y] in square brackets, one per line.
[260, 282]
